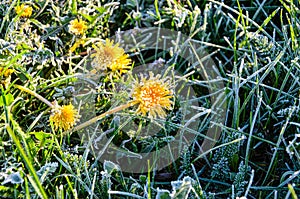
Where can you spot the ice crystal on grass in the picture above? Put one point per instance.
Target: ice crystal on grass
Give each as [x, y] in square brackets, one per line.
[185, 188]
[47, 170]
[185, 160]
[221, 170]
[76, 161]
[262, 44]
[224, 155]
[293, 147]
[293, 109]
[265, 49]
[13, 178]
[241, 179]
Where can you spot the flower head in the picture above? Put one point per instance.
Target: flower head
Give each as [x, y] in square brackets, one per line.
[64, 117]
[77, 27]
[78, 43]
[5, 76]
[5, 72]
[111, 59]
[23, 10]
[153, 96]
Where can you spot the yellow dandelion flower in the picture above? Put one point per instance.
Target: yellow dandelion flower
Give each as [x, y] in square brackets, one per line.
[77, 27]
[120, 66]
[78, 43]
[153, 96]
[64, 117]
[5, 76]
[23, 10]
[5, 72]
[111, 59]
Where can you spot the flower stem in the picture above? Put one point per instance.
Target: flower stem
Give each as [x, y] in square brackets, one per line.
[34, 94]
[95, 119]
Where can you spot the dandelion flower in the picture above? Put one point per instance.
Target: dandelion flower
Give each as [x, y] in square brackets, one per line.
[79, 42]
[120, 66]
[23, 10]
[5, 76]
[5, 72]
[111, 59]
[77, 27]
[64, 117]
[153, 96]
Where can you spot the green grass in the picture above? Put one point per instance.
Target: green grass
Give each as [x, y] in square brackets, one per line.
[255, 48]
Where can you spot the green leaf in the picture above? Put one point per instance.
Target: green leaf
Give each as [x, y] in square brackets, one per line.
[9, 98]
[110, 167]
[101, 10]
[74, 7]
[41, 136]
[88, 17]
[13, 178]
[163, 194]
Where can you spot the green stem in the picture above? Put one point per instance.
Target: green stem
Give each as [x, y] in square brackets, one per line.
[22, 88]
[95, 119]
[40, 190]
